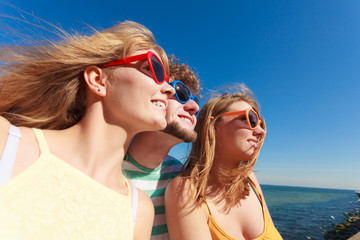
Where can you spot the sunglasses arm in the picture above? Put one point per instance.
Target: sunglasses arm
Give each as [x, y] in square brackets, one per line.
[233, 113]
[125, 60]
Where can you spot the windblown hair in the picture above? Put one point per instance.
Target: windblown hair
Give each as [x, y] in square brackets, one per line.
[198, 166]
[183, 73]
[42, 86]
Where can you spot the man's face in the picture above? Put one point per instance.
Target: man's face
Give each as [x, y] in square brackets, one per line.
[181, 120]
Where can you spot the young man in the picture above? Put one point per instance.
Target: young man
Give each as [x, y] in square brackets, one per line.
[147, 164]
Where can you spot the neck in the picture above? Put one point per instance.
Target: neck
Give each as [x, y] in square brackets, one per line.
[149, 149]
[95, 148]
[226, 158]
[227, 166]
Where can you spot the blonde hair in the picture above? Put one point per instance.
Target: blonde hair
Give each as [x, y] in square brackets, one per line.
[199, 163]
[42, 86]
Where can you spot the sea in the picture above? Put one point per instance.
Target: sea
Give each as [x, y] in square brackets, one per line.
[308, 213]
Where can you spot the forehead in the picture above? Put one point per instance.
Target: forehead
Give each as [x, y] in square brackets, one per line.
[238, 106]
[142, 51]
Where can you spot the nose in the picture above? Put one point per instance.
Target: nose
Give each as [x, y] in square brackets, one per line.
[259, 131]
[168, 90]
[191, 107]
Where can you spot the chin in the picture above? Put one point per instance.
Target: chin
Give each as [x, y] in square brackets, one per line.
[160, 125]
[150, 124]
[163, 126]
[156, 122]
[185, 135]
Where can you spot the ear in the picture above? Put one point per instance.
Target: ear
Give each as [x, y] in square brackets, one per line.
[95, 80]
[212, 119]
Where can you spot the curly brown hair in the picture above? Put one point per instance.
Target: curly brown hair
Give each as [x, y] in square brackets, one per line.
[183, 73]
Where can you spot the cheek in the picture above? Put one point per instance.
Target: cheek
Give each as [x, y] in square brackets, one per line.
[223, 135]
[129, 77]
[128, 83]
[122, 93]
[195, 122]
[232, 136]
[171, 108]
[119, 83]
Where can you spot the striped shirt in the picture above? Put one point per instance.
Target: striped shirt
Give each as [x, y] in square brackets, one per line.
[153, 182]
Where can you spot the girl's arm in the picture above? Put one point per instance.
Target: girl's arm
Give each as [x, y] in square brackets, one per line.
[184, 221]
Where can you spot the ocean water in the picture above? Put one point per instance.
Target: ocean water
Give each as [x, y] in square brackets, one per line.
[308, 213]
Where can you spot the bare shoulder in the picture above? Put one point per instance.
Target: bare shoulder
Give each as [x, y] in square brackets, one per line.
[256, 182]
[27, 152]
[178, 197]
[179, 189]
[253, 177]
[4, 123]
[185, 220]
[145, 204]
[144, 217]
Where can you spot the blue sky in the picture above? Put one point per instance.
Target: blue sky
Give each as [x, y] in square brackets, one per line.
[300, 58]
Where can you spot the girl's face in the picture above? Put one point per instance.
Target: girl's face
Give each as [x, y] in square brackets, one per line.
[133, 99]
[235, 141]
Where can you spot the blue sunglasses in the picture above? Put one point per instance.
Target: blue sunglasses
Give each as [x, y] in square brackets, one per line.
[183, 93]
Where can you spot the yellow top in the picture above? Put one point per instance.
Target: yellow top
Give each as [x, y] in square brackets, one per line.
[53, 200]
[269, 233]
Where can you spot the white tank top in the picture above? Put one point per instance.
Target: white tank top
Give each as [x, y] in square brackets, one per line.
[9, 153]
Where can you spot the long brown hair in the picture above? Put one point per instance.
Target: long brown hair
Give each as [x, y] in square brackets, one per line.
[199, 163]
[42, 85]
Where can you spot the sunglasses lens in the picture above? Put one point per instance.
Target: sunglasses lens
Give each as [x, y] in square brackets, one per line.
[182, 92]
[253, 119]
[158, 69]
[196, 100]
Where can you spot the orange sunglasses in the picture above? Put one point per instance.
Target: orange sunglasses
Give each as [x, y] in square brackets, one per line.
[252, 118]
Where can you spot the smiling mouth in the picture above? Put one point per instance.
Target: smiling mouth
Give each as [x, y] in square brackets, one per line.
[186, 119]
[159, 104]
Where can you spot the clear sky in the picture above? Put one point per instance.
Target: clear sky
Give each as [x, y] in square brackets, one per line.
[300, 58]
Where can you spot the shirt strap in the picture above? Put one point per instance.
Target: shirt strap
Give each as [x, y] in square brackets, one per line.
[254, 189]
[135, 201]
[9, 154]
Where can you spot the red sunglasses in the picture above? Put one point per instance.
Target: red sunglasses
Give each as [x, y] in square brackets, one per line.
[156, 67]
[252, 117]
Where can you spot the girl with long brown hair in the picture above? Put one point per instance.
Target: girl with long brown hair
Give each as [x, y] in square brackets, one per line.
[217, 195]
